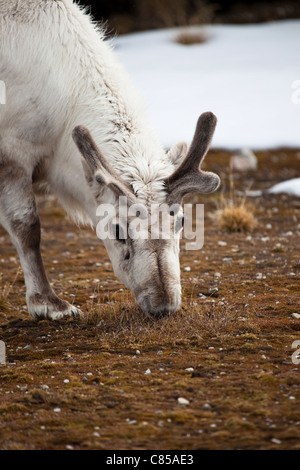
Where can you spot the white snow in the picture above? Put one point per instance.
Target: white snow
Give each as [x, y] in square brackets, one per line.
[291, 187]
[248, 75]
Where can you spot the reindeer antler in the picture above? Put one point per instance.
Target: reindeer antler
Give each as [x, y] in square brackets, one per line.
[103, 171]
[188, 177]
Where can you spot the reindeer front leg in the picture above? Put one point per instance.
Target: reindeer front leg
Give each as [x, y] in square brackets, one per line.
[18, 215]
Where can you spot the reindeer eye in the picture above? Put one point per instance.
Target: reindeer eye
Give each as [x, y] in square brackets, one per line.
[127, 256]
[119, 234]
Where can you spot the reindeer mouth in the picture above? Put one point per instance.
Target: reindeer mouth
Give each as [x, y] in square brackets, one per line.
[164, 308]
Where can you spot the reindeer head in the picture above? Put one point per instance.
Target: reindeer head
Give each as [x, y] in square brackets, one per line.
[147, 260]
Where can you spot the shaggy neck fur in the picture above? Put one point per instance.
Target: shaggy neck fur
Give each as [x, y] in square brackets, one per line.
[123, 132]
[55, 55]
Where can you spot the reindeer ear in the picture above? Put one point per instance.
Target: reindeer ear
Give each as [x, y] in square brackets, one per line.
[177, 153]
[98, 168]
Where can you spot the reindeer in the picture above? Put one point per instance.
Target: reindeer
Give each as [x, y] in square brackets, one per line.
[63, 81]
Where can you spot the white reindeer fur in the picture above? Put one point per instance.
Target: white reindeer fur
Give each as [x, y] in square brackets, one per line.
[60, 73]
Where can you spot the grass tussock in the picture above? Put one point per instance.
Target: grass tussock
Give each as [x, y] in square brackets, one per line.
[153, 14]
[234, 213]
[168, 13]
[234, 217]
[189, 38]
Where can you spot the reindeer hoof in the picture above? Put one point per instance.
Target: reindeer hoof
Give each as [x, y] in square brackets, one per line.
[51, 307]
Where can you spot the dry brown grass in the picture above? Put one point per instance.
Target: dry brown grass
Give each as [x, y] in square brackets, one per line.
[188, 37]
[234, 213]
[128, 327]
[180, 13]
[5, 291]
[235, 217]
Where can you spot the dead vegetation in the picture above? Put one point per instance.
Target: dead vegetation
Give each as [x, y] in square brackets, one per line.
[112, 379]
[146, 14]
[168, 13]
[124, 17]
[234, 212]
[188, 14]
[189, 37]
[5, 290]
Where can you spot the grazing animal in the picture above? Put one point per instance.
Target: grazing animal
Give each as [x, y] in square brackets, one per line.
[61, 75]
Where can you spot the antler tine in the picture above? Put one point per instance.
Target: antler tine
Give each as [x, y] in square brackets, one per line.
[104, 172]
[188, 177]
[205, 128]
[87, 146]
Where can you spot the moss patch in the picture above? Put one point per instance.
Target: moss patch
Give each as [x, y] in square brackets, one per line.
[227, 351]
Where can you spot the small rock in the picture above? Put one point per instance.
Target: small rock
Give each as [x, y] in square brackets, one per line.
[213, 290]
[296, 315]
[131, 421]
[221, 243]
[276, 441]
[227, 260]
[189, 369]
[206, 406]
[148, 371]
[57, 410]
[183, 401]
[244, 160]
[187, 268]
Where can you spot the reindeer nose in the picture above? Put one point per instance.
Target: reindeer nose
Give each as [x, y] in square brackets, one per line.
[164, 307]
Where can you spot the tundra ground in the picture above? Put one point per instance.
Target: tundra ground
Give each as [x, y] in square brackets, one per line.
[112, 379]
